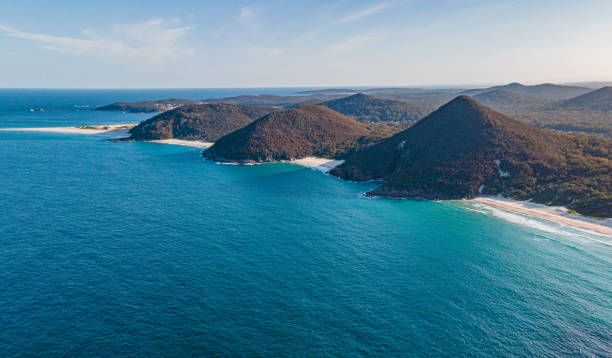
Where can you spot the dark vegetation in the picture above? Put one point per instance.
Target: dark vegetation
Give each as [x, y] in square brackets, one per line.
[206, 122]
[504, 98]
[546, 90]
[590, 113]
[600, 100]
[147, 106]
[566, 120]
[465, 149]
[452, 153]
[344, 91]
[540, 105]
[546, 106]
[275, 101]
[295, 133]
[366, 108]
[563, 108]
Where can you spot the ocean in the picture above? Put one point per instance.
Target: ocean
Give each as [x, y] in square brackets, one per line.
[148, 250]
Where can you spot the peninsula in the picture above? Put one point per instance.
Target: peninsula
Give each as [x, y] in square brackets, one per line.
[199, 122]
[291, 134]
[465, 149]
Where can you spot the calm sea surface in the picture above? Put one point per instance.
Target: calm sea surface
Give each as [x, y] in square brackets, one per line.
[146, 250]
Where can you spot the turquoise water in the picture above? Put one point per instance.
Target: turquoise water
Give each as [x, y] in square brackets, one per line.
[140, 249]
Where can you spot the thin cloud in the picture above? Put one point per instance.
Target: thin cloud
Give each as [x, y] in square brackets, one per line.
[356, 42]
[248, 18]
[364, 13]
[361, 14]
[262, 51]
[152, 41]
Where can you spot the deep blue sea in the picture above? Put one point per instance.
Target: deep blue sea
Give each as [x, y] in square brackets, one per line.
[148, 250]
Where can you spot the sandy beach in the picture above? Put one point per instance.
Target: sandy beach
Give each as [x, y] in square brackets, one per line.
[322, 164]
[555, 214]
[186, 143]
[117, 129]
[75, 130]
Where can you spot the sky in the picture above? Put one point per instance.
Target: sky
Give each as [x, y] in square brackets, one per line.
[203, 44]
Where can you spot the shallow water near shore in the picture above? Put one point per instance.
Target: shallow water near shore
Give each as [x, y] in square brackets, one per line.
[142, 249]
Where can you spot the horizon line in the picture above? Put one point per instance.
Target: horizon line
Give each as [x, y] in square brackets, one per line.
[445, 86]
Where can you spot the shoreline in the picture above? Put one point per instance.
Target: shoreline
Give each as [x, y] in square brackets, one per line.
[322, 164]
[556, 214]
[96, 129]
[182, 142]
[318, 163]
[117, 129]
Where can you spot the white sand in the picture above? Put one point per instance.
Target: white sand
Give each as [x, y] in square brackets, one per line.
[322, 164]
[555, 214]
[75, 130]
[118, 130]
[187, 143]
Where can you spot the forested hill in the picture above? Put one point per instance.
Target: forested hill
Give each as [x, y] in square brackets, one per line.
[366, 108]
[291, 134]
[600, 100]
[465, 149]
[205, 122]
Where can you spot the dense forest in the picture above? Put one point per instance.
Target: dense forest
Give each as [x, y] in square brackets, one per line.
[465, 149]
[294, 133]
[558, 107]
[205, 122]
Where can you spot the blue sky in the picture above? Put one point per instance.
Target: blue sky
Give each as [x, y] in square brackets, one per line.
[141, 44]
